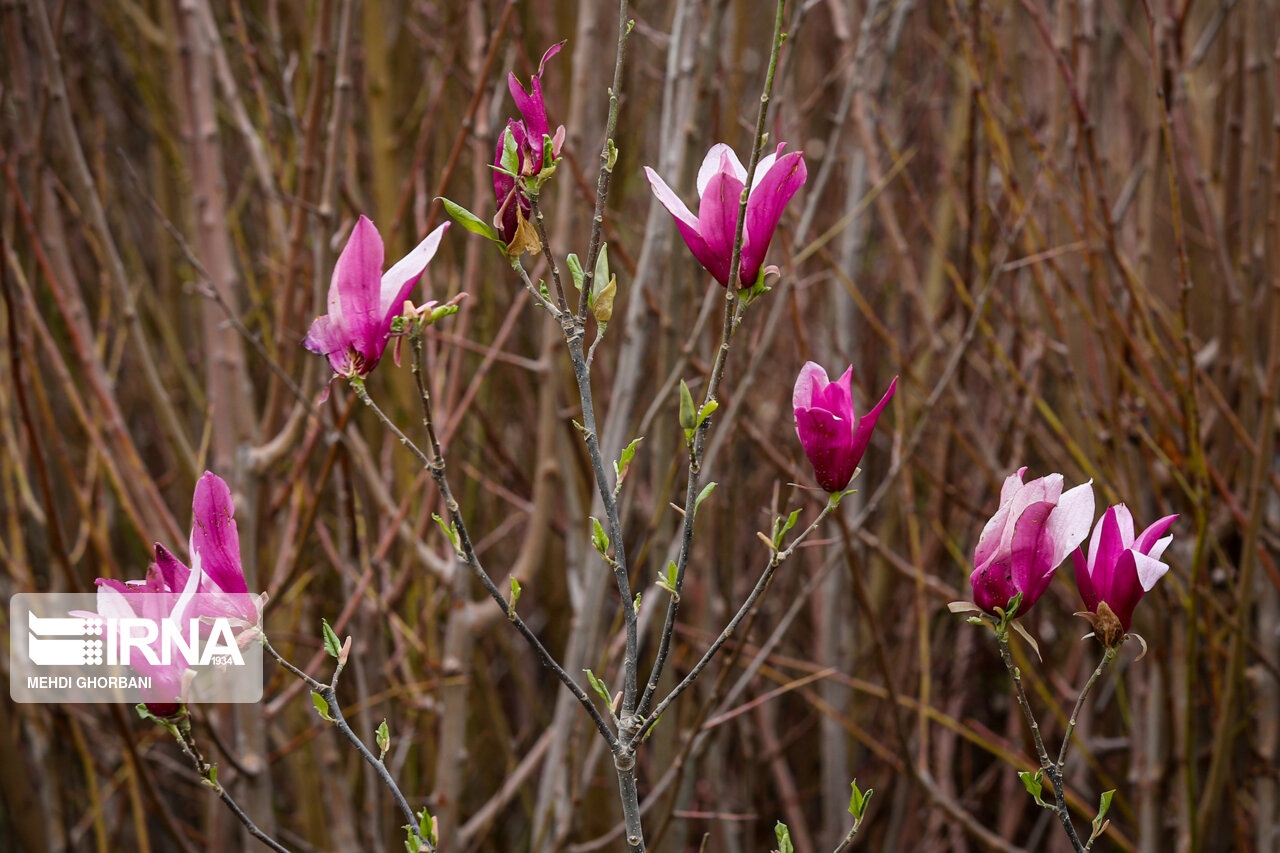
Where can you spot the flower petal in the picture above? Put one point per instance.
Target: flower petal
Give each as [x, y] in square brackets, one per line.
[686, 222]
[811, 381]
[768, 198]
[1147, 540]
[718, 219]
[399, 281]
[1149, 570]
[993, 585]
[826, 440]
[1011, 485]
[1126, 590]
[867, 423]
[715, 162]
[213, 534]
[1104, 552]
[355, 286]
[173, 572]
[1069, 523]
[1084, 583]
[1032, 552]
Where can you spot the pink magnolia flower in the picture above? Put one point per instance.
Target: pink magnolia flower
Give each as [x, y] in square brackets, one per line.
[710, 234]
[363, 300]
[528, 133]
[167, 592]
[1120, 567]
[833, 437]
[1023, 544]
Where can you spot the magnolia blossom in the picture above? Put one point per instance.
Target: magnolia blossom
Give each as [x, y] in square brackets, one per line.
[1120, 568]
[528, 134]
[167, 592]
[1023, 544]
[363, 300]
[711, 233]
[833, 437]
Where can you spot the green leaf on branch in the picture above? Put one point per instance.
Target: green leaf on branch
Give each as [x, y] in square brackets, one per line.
[470, 221]
[383, 737]
[858, 802]
[611, 155]
[515, 592]
[575, 270]
[784, 838]
[322, 707]
[427, 826]
[702, 496]
[602, 309]
[332, 646]
[669, 582]
[450, 532]
[599, 539]
[687, 418]
[599, 687]
[510, 160]
[1034, 783]
[1100, 823]
[710, 407]
[781, 527]
[628, 453]
[637, 605]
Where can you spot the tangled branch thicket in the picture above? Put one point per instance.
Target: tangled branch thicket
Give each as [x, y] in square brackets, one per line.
[1057, 222]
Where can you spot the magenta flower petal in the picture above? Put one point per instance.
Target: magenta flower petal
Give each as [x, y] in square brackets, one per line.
[993, 585]
[214, 536]
[718, 158]
[1105, 548]
[825, 439]
[399, 281]
[355, 287]
[718, 219]
[173, 572]
[1084, 583]
[809, 385]
[1069, 523]
[993, 533]
[686, 222]
[769, 196]
[867, 423]
[1147, 540]
[1031, 553]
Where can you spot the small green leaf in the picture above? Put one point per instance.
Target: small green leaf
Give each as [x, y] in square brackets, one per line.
[322, 707]
[515, 591]
[673, 573]
[1104, 806]
[470, 221]
[599, 687]
[687, 421]
[212, 775]
[628, 453]
[426, 826]
[784, 838]
[669, 582]
[575, 270]
[781, 527]
[510, 159]
[611, 155]
[548, 157]
[600, 277]
[710, 407]
[637, 605]
[383, 737]
[1034, 784]
[702, 496]
[332, 646]
[599, 539]
[450, 532]
[858, 801]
